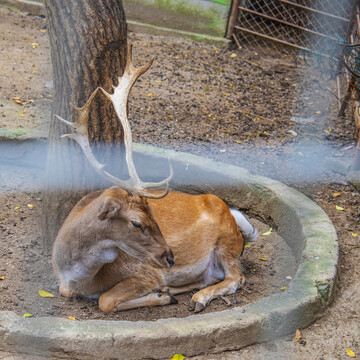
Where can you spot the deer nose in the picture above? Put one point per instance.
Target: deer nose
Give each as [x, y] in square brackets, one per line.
[170, 261]
[170, 258]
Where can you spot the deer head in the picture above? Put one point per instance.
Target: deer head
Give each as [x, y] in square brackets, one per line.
[126, 219]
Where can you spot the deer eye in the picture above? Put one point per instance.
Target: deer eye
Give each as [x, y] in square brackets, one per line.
[136, 224]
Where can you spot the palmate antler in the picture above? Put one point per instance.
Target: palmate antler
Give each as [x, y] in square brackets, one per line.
[119, 99]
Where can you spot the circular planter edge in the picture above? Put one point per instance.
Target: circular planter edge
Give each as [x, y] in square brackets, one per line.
[302, 223]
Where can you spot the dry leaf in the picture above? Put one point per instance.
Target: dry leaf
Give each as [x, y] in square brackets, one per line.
[233, 55]
[339, 208]
[350, 352]
[336, 194]
[297, 335]
[44, 293]
[27, 315]
[178, 357]
[267, 232]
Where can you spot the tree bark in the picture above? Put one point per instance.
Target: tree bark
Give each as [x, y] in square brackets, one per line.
[88, 49]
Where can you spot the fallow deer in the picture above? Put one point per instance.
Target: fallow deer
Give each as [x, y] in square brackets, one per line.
[132, 247]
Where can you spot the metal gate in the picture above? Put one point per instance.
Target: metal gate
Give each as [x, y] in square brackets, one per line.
[298, 24]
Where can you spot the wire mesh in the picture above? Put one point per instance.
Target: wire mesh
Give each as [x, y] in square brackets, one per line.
[298, 24]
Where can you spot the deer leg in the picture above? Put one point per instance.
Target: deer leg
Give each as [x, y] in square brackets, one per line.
[233, 278]
[130, 294]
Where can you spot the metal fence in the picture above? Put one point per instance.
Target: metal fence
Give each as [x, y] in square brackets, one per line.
[298, 24]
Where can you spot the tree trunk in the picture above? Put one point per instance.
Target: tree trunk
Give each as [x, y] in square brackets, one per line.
[88, 48]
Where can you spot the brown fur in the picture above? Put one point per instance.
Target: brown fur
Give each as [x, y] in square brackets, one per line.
[200, 230]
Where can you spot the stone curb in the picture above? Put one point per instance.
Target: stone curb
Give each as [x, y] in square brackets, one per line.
[303, 225]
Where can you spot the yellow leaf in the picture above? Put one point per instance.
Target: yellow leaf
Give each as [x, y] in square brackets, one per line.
[34, 72]
[283, 288]
[262, 259]
[34, 45]
[44, 293]
[17, 207]
[318, 112]
[18, 101]
[339, 208]
[267, 232]
[297, 335]
[27, 315]
[2, 277]
[354, 235]
[178, 357]
[247, 245]
[170, 116]
[233, 55]
[30, 206]
[150, 95]
[71, 318]
[350, 352]
[336, 194]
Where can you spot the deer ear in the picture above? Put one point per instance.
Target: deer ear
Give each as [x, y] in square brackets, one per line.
[109, 209]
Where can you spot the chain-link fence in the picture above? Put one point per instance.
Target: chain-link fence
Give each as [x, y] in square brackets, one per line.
[297, 24]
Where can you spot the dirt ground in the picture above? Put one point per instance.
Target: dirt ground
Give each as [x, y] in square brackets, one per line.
[230, 105]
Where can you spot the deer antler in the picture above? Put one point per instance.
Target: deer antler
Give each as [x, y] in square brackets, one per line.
[119, 100]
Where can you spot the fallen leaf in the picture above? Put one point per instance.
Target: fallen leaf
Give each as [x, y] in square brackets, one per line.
[262, 259]
[233, 55]
[34, 45]
[354, 235]
[34, 72]
[267, 232]
[2, 277]
[283, 288]
[339, 208]
[336, 194]
[350, 352]
[44, 293]
[318, 112]
[247, 245]
[222, 150]
[30, 206]
[150, 95]
[27, 315]
[297, 335]
[71, 318]
[17, 207]
[170, 116]
[178, 357]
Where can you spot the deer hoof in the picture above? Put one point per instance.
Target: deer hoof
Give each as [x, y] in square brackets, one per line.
[196, 306]
[173, 300]
[199, 307]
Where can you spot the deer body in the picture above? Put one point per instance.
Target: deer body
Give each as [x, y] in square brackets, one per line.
[96, 251]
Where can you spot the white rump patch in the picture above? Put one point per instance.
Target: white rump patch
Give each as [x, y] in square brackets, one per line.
[248, 231]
